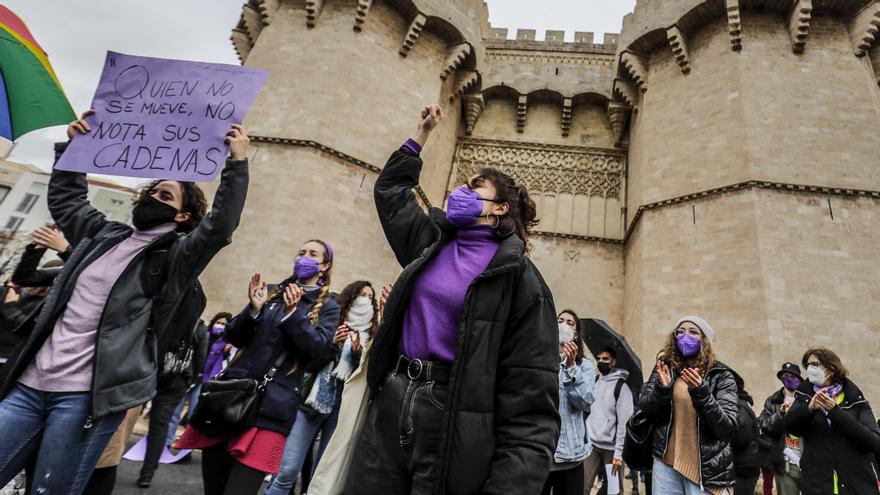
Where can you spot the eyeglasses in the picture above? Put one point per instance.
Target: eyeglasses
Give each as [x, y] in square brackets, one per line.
[814, 364]
[693, 332]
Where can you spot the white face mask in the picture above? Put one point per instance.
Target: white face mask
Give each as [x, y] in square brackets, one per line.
[566, 333]
[816, 375]
[360, 315]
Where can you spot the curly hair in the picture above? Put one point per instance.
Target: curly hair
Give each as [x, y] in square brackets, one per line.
[522, 216]
[220, 316]
[349, 295]
[704, 361]
[193, 200]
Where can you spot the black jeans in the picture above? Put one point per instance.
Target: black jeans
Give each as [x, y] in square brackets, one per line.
[397, 449]
[565, 482]
[223, 475]
[168, 395]
[745, 486]
[102, 482]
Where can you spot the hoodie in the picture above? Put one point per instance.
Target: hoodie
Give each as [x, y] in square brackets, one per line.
[607, 421]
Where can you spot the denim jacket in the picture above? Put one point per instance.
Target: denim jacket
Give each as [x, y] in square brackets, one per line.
[576, 386]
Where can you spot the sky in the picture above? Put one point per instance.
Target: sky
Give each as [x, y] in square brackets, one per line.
[77, 33]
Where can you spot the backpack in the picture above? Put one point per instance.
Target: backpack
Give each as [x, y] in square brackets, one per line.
[617, 388]
[746, 434]
[176, 343]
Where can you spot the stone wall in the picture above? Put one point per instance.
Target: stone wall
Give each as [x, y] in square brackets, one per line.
[341, 97]
[584, 276]
[770, 270]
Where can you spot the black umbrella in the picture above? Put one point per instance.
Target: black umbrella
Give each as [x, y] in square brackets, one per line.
[598, 335]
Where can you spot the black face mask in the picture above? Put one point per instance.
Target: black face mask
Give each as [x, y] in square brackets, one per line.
[150, 212]
[604, 368]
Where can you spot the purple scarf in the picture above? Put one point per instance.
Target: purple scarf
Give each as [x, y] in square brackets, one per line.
[832, 391]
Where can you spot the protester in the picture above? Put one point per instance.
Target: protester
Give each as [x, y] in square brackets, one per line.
[839, 429]
[469, 342]
[175, 376]
[607, 421]
[360, 319]
[784, 449]
[204, 367]
[577, 380]
[87, 362]
[692, 397]
[746, 455]
[31, 284]
[330, 474]
[296, 321]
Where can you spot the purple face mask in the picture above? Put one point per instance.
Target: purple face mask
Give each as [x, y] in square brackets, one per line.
[790, 382]
[217, 329]
[305, 268]
[688, 345]
[463, 207]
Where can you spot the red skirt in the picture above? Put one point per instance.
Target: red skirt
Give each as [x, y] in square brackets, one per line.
[255, 448]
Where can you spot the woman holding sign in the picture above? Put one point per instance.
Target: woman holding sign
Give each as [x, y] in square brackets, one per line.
[92, 353]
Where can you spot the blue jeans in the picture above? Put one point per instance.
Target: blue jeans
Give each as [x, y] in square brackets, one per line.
[300, 440]
[55, 431]
[193, 397]
[668, 481]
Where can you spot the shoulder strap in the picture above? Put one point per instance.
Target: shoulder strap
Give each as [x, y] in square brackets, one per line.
[270, 375]
[617, 389]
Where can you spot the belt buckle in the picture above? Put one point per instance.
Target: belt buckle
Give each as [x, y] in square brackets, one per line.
[409, 369]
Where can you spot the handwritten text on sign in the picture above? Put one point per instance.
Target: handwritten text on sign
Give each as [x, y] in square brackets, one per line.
[162, 119]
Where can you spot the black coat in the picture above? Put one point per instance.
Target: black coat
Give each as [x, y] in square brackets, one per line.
[132, 319]
[847, 446]
[772, 431]
[501, 421]
[261, 341]
[28, 273]
[746, 457]
[717, 413]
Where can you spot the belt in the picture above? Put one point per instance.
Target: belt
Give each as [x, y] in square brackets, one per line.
[417, 369]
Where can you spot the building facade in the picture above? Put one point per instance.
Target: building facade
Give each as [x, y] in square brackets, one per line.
[716, 157]
[23, 205]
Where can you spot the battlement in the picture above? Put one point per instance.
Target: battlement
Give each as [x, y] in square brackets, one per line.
[553, 41]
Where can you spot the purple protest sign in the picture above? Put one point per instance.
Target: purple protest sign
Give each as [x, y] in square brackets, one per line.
[162, 119]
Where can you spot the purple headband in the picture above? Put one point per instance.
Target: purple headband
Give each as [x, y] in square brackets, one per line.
[329, 249]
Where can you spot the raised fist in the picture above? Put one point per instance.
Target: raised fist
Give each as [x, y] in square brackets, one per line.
[431, 116]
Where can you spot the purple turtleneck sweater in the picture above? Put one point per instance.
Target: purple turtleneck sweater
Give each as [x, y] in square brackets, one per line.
[64, 363]
[430, 327]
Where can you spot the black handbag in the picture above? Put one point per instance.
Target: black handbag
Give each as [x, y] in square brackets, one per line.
[637, 446]
[231, 405]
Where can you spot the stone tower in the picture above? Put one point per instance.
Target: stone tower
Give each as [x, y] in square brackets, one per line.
[348, 79]
[717, 157]
[754, 178]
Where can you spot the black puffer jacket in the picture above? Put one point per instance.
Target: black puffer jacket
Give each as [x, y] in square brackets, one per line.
[502, 418]
[717, 411]
[746, 457]
[128, 326]
[771, 430]
[846, 447]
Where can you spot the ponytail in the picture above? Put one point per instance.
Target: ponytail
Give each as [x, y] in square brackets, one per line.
[522, 214]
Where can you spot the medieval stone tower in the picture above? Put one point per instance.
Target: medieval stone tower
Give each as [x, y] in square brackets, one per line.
[717, 157]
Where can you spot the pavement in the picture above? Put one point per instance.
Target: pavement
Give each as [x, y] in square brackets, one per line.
[183, 478]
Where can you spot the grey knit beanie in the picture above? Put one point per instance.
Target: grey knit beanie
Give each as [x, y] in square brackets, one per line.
[707, 329]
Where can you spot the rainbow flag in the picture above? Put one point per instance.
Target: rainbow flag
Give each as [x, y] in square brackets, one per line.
[30, 95]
